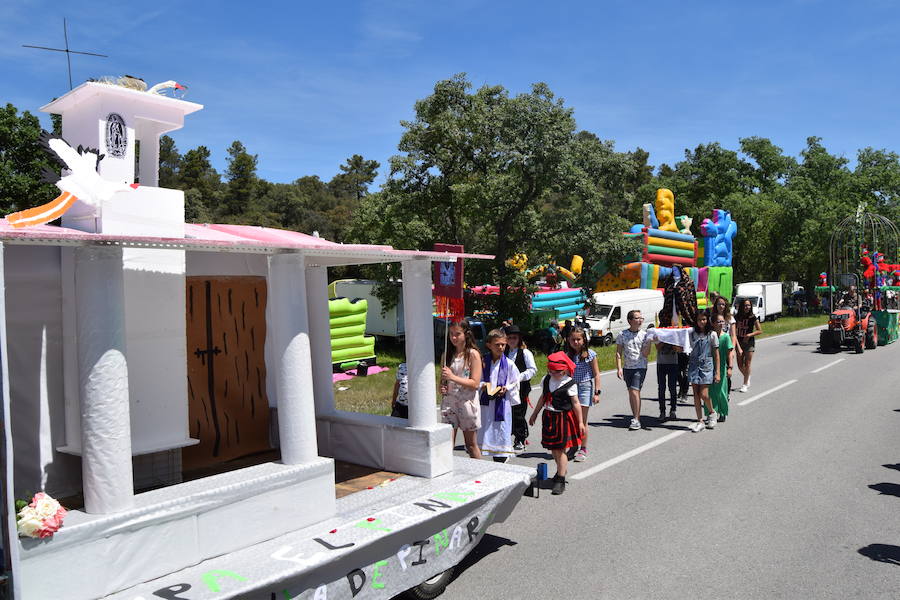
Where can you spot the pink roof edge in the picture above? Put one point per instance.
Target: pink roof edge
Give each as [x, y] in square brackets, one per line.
[219, 235]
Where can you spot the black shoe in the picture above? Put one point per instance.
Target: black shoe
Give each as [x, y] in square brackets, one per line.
[722, 418]
[662, 414]
[570, 453]
[559, 485]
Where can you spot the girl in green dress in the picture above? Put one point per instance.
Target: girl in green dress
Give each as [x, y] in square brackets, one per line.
[718, 391]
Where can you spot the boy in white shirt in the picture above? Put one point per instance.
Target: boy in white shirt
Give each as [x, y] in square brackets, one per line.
[632, 349]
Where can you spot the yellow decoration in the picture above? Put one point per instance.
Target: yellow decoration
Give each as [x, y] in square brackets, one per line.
[518, 262]
[577, 264]
[665, 209]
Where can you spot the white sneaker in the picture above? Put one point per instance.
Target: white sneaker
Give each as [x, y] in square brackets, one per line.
[743, 388]
[697, 426]
[711, 420]
[635, 424]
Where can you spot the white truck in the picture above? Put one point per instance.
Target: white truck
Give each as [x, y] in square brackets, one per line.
[765, 296]
[389, 324]
[609, 311]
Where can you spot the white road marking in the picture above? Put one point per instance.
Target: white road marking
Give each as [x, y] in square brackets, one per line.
[766, 393]
[622, 457]
[831, 364]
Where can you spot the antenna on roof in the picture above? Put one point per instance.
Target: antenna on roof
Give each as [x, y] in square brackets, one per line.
[66, 50]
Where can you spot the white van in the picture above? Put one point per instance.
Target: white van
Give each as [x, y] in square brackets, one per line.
[609, 311]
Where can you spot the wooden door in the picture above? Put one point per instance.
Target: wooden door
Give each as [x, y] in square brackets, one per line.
[226, 334]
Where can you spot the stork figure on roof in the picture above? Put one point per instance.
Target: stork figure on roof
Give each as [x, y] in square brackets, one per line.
[82, 183]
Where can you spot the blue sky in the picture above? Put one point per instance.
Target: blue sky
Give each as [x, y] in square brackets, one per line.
[306, 84]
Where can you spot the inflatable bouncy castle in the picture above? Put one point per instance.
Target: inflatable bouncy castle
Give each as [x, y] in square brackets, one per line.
[667, 240]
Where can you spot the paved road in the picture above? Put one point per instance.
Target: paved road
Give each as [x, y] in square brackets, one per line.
[796, 496]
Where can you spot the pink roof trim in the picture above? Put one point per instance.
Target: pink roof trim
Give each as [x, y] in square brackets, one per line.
[224, 236]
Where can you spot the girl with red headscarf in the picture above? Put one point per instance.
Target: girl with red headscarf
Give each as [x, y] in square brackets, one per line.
[562, 425]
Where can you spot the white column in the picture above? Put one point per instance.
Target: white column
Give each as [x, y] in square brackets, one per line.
[320, 338]
[418, 319]
[103, 379]
[148, 163]
[293, 380]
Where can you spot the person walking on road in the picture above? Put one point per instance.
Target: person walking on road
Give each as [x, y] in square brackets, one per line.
[632, 349]
[721, 308]
[587, 380]
[521, 356]
[562, 425]
[499, 392]
[460, 380]
[747, 328]
[718, 391]
[703, 370]
[667, 376]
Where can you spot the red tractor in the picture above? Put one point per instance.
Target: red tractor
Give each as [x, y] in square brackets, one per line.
[849, 328]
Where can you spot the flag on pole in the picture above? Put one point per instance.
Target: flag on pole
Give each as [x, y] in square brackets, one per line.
[448, 284]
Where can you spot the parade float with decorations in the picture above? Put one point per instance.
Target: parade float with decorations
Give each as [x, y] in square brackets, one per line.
[170, 386]
[667, 243]
[864, 252]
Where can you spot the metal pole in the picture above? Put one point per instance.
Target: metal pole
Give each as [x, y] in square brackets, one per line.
[68, 56]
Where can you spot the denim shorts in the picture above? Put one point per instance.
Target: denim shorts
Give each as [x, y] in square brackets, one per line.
[586, 392]
[634, 378]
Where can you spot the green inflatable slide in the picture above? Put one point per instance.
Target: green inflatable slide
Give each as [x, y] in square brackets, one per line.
[349, 344]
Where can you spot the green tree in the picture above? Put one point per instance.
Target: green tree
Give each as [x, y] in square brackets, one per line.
[500, 175]
[197, 174]
[22, 161]
[241, 180]
[355, 178]
[876, 180]
[169, 163]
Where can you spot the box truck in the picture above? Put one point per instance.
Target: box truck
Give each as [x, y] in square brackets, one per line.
[764, 296]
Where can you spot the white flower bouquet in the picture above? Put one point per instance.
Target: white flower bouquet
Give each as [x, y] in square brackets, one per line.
[41, 518]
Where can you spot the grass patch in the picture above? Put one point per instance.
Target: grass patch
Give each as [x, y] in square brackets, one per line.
[373, 394]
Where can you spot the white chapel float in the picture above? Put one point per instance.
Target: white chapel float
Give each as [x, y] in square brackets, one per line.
[137, 347]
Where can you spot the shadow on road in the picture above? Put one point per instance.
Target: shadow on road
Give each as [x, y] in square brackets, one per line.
[895, 466]
[887, 489]
[807, 344]
[885, 553]
[488, 545]
[541, 455]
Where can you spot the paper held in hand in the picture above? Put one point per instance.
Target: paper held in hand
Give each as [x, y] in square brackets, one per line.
[490, 388]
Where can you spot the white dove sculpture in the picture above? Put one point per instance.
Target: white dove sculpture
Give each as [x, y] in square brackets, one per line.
[82, 183]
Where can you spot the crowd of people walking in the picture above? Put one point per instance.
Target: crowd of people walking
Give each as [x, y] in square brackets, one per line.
[487, 394]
